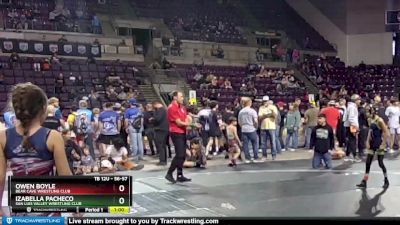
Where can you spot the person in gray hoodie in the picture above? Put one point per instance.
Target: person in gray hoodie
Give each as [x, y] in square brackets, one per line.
[292, 125]
[350, 120]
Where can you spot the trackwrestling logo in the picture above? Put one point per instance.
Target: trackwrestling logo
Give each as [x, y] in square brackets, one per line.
[33, 220]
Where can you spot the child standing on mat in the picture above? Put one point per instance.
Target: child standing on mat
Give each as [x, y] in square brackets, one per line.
[233, 141]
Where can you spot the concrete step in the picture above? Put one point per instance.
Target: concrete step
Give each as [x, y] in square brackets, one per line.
[107, 27]
[148, 92]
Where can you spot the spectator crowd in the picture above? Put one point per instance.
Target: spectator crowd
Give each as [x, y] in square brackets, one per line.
[116, 135]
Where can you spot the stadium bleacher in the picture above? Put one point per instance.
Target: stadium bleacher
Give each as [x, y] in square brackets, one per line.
[72, 16]
[23, 72]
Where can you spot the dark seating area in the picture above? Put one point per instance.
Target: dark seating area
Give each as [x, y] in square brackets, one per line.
[331, 75]
[278, 15]
[73, 16]
[196, 19]
[94, 78]
[217, 21]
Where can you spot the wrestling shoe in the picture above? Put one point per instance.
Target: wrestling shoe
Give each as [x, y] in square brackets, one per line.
[363, 184]
[386, 183]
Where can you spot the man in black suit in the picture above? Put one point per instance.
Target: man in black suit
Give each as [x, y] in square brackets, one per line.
[161, 129]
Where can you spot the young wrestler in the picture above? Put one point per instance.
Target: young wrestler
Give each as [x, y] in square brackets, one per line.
[233, 141]
[195, 156]
[378, 133]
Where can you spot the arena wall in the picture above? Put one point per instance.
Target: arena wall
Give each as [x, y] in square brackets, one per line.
[365, 39]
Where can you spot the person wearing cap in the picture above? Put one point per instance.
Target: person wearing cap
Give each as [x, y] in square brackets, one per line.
[323, 142]
[134, 128]
[267, 114]
[117, 106]
[332, 115]
[109, 126]
[310, 121]
[86, 137]
[350, 122]
[148, 125]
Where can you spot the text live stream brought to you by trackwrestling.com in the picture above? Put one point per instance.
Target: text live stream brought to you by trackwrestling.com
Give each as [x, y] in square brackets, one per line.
[109, 220]
[187, 221]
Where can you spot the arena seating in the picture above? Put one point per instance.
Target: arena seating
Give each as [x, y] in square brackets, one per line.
[195, 20]
[278, 15]
[78, 67]
[237, 75]
[368, 81]
[203, 24]
[35, 15]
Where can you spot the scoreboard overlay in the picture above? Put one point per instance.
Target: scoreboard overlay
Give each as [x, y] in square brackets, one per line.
[95, 194]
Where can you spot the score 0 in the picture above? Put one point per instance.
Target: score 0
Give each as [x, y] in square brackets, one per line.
[121, 200]
[120, 188]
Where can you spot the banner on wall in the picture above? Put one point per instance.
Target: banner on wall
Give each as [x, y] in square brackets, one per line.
[192, 97]
[48, 48]
[311, 98]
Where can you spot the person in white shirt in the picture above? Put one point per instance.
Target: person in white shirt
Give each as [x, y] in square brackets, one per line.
[119, 154]
[203, 116]
[351, 125]
[393, 114]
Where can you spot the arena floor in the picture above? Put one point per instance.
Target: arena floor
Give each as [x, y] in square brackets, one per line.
[271, 189]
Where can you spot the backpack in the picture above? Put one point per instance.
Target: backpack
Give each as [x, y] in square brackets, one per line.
[136, 122]
[81, 123]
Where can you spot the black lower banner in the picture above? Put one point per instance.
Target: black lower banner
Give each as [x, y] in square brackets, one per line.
[48, 48]
[223, 221]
